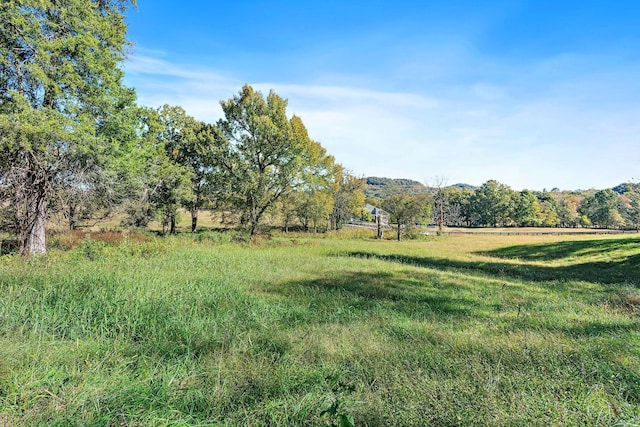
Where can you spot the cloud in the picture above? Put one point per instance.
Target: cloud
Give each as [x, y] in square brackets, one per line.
[199, 91]
[556, 123]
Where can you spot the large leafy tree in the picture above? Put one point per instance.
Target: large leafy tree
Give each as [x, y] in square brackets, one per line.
[603, 209]
[258, 153]
[549, 210]
[187, 144]
[526, 211]
[491, 204]
[157, 183]
[59, 80]
[197, 155]
[568, 205]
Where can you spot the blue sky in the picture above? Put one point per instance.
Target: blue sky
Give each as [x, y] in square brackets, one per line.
[535, 94]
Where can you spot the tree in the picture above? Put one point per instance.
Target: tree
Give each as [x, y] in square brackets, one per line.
[457, 206]
[287, 206]
[602, 209]
[59, 80]
[157, 183]
[348, 197]
[258, 153]
[405, 210]
[632, 210]
[188, 144]
[549, 210]
[314, 208]
[491, 204]
[439, 197]
[318, 181]
[526, 209]
[568, 210]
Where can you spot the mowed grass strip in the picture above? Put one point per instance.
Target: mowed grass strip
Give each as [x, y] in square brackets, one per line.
[460, 330]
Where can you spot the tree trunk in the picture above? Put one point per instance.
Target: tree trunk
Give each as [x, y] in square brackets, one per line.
[165, 223]
[33, 240]
[399, 232]
[379, 223]
[194, 219]
[72, 217]
[441, 216]
[172, 230]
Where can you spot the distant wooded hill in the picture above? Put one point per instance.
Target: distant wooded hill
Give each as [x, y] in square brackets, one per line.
[380, 188]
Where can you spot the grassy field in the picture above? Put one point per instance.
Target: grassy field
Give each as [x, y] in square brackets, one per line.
[300, 330]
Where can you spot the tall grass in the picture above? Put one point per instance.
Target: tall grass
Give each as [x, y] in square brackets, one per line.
[482, 330]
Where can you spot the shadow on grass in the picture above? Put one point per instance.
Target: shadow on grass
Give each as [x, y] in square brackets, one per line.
[411, 295]
[349, 297]
[596, 328]
[623, 271]
[560, 250]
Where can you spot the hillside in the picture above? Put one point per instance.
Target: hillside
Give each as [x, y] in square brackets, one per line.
[380, 188]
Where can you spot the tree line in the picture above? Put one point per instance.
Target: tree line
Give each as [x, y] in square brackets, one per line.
[74, 140]
[496, 205]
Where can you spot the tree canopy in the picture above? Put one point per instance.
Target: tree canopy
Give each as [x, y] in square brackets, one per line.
[59, 80]
[261, 154]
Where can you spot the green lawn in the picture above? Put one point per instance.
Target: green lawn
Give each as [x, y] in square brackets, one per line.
[298, 330]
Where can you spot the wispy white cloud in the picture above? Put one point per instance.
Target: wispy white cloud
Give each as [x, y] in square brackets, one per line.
[158, 82]
[539, 125]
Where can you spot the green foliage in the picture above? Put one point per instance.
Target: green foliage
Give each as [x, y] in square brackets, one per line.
[491, 203]
[336, 418]
[526, 209]
[364, 215]
[602, 209]
[381, 188]
[157, 182]
[496, 205]
[405, 210]
[59, 79]
[568, 210]
[632, 208]
[348, 198]
[91, 249]
[258, 152]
